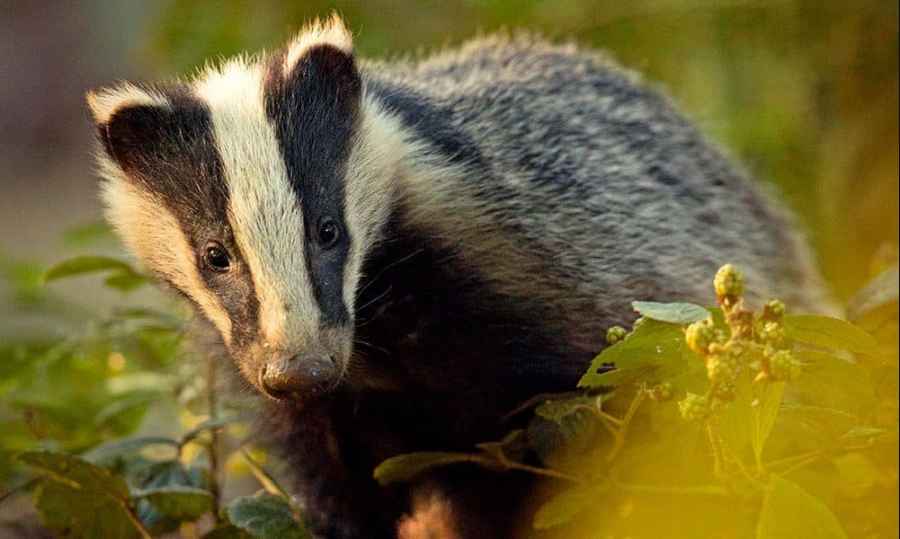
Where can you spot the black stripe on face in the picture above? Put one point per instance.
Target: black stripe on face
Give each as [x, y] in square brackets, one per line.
[171, 153]
[314, 109]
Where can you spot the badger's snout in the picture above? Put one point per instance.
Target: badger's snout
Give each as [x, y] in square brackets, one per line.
[298, 377]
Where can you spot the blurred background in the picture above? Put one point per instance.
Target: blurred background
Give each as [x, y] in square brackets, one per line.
[803, 92]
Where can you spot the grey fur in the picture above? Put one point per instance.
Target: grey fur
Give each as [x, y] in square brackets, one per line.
[602, 176]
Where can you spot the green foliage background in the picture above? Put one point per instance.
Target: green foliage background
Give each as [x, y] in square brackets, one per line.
[804, 93]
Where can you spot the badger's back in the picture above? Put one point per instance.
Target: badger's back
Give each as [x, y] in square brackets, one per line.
[602, 192]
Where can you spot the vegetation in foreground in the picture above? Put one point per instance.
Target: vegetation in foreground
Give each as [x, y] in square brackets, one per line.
[696, 422]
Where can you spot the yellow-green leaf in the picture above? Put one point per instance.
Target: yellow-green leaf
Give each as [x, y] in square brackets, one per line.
[651, 351]
[76, 473]
[765, 408]
[111, 450]
[566, 505]
[789, 512]
[265, 516]
[827, 332]
[405, 467]
[76, 514]
[85, 264]
[179, 502]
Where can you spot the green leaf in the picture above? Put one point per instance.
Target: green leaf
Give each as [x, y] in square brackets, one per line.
[789, 512]
[178, 502]
[85, 264]
[71, 512]
[566, 505]
[76, 473]
[124, 414]
[735, 421]
[765, 408]
[168, 476]
[826, 332]
[123, 277]
[674, 313]
[109, 451]
[404, 467]
[126, 281]
[812, 427]
[265, 516]
[834, 382]
[653, 352]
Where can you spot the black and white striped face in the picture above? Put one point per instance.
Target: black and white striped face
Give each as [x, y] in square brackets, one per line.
[246, 189]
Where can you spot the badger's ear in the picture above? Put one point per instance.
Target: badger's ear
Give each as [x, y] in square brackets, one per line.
[316, 71]
[132, 123]
[331, 32]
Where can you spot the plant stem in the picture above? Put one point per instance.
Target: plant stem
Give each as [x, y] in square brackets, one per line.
[714, 442]
[547, 472]
[135, 521]
[213, 448]
[267, 481]
[624, 423]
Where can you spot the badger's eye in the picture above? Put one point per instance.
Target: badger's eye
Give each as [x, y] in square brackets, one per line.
[329, 233]
[216, 258]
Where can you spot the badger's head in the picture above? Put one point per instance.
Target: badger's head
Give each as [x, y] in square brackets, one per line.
[254, 190]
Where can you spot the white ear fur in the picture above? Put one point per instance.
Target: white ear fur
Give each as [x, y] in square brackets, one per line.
[331, 31]
[104, 102]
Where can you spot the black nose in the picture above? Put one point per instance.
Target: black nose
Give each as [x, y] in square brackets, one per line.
[298, 376]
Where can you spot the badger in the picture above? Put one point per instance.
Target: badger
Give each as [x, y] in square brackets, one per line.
[396, 254]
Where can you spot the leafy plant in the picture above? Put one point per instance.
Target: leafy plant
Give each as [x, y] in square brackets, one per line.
[718, 421]
[696, 421]
[74, 403]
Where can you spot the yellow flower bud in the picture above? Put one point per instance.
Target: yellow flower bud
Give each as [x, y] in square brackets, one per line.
[700, 335]
[729, 282]
[615, 334]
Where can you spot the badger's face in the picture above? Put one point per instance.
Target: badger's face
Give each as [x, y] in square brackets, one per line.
[245, 190]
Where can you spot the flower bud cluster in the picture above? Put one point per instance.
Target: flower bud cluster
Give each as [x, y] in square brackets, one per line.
[783, 366]
[751, 343]
[694, 407]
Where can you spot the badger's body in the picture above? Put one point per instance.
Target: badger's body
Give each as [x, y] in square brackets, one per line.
[495, 208]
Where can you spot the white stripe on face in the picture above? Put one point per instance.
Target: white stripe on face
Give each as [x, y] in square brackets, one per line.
[264, 212]
[153, 234]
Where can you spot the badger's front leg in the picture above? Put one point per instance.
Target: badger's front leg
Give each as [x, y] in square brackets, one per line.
[333, 478]
[334, 445]
[466, 502]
